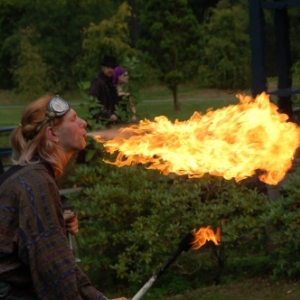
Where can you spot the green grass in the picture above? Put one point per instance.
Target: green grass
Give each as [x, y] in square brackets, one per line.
[10, 115]
[155, 101]
[258, 288]
[249, 289]
[149, 110]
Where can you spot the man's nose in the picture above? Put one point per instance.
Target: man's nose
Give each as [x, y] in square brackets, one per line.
[83, 123]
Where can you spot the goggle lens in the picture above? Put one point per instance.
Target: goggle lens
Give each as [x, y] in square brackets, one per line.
[57, 107]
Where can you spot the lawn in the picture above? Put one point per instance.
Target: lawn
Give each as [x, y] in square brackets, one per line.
[250, 289]
[154, 101]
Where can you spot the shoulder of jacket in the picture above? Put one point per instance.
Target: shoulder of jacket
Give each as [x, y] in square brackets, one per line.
[29, 171]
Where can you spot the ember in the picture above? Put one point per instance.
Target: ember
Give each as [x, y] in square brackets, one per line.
[232, 142]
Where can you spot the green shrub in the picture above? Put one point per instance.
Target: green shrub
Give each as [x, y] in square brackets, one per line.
[282, 222]
[132, 220]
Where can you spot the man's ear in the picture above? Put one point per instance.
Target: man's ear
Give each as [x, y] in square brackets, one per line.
[51, 134]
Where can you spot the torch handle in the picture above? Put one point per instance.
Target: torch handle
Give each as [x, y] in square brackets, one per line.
[167, 263]
[149, 283]
[184, 245]
[144, 289]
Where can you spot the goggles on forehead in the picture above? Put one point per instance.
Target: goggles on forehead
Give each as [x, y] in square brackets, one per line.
[56, 108]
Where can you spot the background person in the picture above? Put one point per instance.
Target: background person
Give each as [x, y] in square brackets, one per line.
[36, 261]
[120, 79]
[103, 88]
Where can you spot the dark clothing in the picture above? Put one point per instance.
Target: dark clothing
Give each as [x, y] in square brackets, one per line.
[35, 257]
[103, 88]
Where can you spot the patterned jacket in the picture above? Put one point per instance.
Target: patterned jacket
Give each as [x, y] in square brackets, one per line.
[34, 250]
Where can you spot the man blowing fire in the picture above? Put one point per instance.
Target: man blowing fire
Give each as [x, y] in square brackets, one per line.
[36, 261]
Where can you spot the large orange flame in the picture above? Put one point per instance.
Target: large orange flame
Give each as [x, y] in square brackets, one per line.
[233, 142]
[205, 234]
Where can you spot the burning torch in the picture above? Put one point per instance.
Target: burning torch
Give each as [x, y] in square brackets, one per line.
[193, 238]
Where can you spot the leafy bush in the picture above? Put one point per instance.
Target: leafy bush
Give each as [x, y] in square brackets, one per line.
[132, 220]
[282, 222]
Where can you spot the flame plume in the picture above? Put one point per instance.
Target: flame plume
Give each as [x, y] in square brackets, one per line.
[205, 234]
[233, 142]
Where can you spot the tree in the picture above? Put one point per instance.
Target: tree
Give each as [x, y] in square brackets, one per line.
[226, 60]
[58, 25]
[111, 36]
[172, 40]
[31, 73]
[9, 17]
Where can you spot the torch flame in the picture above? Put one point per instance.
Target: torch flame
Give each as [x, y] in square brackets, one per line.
[234, 142]
[205, 234]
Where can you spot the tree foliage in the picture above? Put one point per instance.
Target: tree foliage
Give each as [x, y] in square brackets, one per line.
[111, 36]
[179, 39]
[226, 59]
[173, 41]
[58, 26]
[31, 73]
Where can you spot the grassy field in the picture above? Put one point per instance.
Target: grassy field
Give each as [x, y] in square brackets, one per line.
[250, 289]
[155, 101]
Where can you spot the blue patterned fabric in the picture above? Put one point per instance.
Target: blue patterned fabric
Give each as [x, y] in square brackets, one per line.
[34, 251]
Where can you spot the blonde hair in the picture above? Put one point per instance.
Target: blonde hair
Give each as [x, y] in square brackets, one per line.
[29, 139]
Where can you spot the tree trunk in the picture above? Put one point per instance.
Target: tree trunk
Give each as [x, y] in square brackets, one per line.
[133, 23]
[175, 98]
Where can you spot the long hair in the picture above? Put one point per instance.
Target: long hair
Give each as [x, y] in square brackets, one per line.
[29, 139]
[118, 71]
